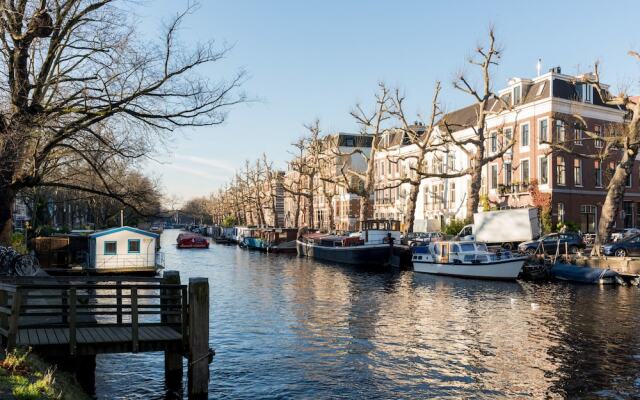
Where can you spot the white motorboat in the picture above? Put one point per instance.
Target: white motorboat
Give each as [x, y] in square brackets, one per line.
[466, 259]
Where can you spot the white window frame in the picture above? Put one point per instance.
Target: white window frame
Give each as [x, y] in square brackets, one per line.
[513, 94]
[561, 214]
[564, 161]
[491, 167]
[581, 174]
[524, 179]
[598, 143]
[504, 174]
[549, 133]
[522, 147]
[578, 141]
[540, 171]
[600, 175]
[493, 135]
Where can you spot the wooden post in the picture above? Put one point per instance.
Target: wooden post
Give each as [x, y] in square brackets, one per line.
[198, 337]
[169, 301]
[72, 321]
[134, 319]
[4, 320]
[119, 302]
[15, 318]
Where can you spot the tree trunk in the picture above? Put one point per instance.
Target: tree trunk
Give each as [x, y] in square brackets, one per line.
[297, 214]
[615, 194]
[410, 211]
[365, 203]
[7, 197]
[475, 186]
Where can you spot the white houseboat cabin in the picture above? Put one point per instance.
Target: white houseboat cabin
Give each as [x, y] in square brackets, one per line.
[124, 249]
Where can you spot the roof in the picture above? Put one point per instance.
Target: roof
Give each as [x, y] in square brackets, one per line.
[354, 140]
[562, 88]
[124, 228]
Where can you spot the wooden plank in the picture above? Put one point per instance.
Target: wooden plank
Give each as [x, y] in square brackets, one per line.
[58, 335]
[82, 336]
[121, 333]
[33, 337]
[65, 334]
[104, 334]
[46, 336]
[146, 334]
[23, 337]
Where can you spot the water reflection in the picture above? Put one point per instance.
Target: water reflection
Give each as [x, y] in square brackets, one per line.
[287, 327]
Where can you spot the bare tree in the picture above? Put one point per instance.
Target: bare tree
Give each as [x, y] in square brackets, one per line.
[622, 143]
[372, 124]
[81, 87]
[487, 104]
[306, 167]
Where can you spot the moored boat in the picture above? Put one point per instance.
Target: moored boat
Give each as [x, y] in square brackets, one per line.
[585, 274]
[466, 259]
[373, 246]
[192, 241]
[280, 240]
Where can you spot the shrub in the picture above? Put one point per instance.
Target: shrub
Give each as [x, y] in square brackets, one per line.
[229, 221]
[455, 226]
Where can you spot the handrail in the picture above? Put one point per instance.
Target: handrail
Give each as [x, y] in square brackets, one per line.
[74, 305]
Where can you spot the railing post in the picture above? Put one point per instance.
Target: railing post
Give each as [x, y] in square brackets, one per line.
[119, 302]
[134, 319]
[198, 337]
[4, 320]
[15, 319]
[72, 321]
[64, 301]
[169, 301]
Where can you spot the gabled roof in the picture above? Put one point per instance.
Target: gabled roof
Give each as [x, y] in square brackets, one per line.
[124, 228]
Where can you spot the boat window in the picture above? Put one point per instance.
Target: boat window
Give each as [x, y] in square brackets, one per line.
[455, 248]
[467, 247]
[482, 247]
[436, 249]
[445, 250]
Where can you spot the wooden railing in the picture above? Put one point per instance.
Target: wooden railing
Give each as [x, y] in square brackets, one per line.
[75, 302]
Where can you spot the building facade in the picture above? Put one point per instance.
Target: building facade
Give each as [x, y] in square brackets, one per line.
[556, 121]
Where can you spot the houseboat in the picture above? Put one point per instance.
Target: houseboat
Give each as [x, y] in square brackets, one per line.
[124, 250]
[280, 240]
[373, 246]
[192, 241]
[466, 259]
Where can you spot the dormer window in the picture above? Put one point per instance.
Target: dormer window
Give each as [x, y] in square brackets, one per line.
[584, 92]
[517, 94]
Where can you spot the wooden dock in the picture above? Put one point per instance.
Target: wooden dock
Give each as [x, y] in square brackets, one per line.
[86, 316]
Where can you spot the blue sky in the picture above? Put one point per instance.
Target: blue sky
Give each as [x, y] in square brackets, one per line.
[316, 59]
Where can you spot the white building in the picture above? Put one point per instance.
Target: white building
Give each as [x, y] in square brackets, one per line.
[124, 248]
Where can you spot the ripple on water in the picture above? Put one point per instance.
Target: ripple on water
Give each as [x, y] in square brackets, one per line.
[288, 327]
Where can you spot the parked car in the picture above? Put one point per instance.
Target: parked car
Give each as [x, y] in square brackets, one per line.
[570, 241]
[424, 238]
[628, 246]
[615, 236]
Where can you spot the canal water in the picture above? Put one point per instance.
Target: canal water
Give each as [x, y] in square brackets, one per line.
[287, 327]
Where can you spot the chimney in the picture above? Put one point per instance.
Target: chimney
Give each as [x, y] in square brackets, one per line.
[539, 66]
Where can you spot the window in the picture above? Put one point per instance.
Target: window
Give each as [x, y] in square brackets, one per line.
[577, 172]
[627, 212]
[517, 94]
[494, 176]
[349, 142]
[543, 136]
[507, 174]
[110, 248]
[598, 144]
[452, 195]
[524, 171]
[578, 135]
[134, 245]
[588, 218]
[584, 92]
[543, 170]
[524, 135]
[541, 88]
[629, 179]
[561, 212]
[560, 136]
[597, 166]
[494, 142]
[561, 175]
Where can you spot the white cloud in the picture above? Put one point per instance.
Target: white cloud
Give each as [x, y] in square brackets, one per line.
[199, 173]
[210, 162]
